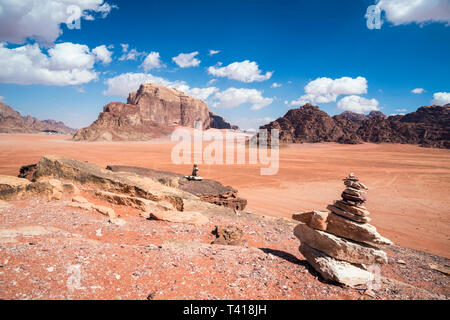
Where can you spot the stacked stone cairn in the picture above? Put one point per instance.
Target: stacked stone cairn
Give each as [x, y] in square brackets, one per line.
[341, 245]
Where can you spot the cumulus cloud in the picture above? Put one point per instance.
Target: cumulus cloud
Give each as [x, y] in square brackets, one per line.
[102, 54]
[65, 64]
[400, 12]
[244, 71]
[213, 52]
[133, 54]
[418, 90]
[325, 90]
[441, 98]
[233, 97]
[41, 20]
[185, 60]
[357, 104]
[199, 93]
[152, 61]
[125, 83]
[276, 85]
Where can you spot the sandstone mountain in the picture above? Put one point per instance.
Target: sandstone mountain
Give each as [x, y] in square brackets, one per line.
[151, 111]
[12, 122]
[429, 126]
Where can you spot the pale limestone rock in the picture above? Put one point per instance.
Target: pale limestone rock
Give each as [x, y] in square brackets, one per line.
[335, 270]
[117, 221]
[339, 248]
[10, 182]
[79, 199]
[190, 217]
[135, 202]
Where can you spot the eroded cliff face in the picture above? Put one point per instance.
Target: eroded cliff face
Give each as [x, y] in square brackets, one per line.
[169, 106]
[150, 112]
[429, 126]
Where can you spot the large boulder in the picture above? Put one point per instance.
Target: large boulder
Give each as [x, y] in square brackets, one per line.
[339, 248]
[189, 217]
[335, 270]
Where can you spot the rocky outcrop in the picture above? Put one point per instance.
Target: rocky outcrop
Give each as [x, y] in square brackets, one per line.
[12, 188]
[12, 122]
[151, 111]
[152, 195]
[427, 127]
[336, 244]
[207, 190]
[90, 175]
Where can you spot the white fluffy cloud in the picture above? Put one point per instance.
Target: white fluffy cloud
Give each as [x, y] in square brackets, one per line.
[185, 60]
[199, 93]
[418, 90]
[125, 83]
[213, 52]
[441, 98]
[133, 54]
[325, 90]
[415, 11]
[152, 61]
[41, 20]
[102, 54]
[276, 85]
[357, 104]
[233, 97]
[244, 71]
[65, 64]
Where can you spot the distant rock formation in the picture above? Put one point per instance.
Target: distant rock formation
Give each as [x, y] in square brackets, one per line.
[151, 111]
[12, 122]
[427, 127]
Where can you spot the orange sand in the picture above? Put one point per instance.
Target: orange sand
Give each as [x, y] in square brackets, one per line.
[409, 194]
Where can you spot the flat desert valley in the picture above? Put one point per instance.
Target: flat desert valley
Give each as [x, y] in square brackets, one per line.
[409, 185]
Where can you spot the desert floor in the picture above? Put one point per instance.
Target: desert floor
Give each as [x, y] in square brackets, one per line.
[409, 195]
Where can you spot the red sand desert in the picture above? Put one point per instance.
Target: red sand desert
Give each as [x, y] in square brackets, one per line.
[409, 186]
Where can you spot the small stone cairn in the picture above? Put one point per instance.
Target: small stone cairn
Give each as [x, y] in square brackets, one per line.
[194, 176]
[341, 245]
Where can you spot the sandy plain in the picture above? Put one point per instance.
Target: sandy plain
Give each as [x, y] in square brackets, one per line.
[409, 196]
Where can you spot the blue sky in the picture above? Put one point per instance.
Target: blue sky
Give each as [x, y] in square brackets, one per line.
[318, 51]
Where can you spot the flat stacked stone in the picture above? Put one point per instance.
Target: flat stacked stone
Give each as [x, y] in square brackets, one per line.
[341, 244]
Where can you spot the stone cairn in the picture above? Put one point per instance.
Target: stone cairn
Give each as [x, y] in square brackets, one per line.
[194, 176]
[341, 245]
